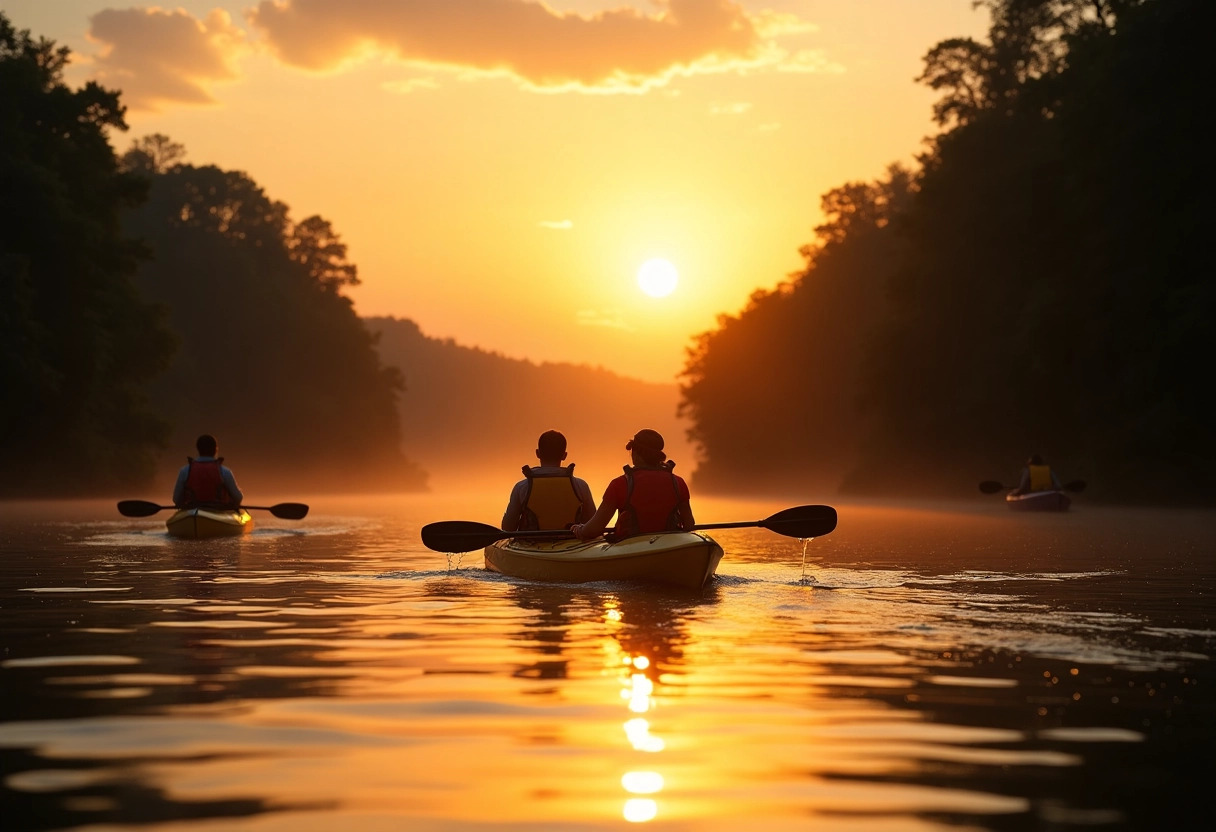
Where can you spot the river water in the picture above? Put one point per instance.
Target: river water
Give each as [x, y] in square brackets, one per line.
[926, 666]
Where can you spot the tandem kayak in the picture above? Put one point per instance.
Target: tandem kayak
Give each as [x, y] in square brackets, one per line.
[685, 559]
[209, 522]
[1039, 501]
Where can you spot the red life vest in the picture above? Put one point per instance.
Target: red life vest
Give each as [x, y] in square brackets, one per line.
[657, 493]
[204, 484]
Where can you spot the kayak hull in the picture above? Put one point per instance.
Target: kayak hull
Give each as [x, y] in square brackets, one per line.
[204, 522]
[687, 559]
[1039, 501]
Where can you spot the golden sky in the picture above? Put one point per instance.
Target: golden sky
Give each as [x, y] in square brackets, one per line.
[500, 169]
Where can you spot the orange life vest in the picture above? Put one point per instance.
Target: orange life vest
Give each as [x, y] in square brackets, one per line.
[1040, 478]
[550, 501]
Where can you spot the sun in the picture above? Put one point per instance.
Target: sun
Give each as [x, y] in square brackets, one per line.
[658, 277]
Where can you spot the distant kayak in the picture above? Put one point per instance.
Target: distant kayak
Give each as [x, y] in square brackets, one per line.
[208, 522]
[1039, 501]
[685, 559]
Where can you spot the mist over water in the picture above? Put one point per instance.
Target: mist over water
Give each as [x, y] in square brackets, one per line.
[944, 666]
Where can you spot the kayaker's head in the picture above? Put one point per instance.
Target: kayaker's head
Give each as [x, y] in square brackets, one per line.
[206, 445]
[647, 447]
[551, 448]
[1035, 459]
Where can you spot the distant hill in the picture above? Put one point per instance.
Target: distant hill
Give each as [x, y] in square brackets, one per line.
[468, 413]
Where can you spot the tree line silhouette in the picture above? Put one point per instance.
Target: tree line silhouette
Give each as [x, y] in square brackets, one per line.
[1035, 284]
[149, 300]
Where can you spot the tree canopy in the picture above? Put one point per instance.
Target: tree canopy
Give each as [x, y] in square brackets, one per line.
[273, 358]
[1039, 282]
[77, 341]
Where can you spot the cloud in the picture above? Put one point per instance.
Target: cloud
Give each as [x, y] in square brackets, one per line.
[610, 318]
[559, 225]
[159, 57]
[408, 85]
[617, 50]
[729, 108]
[810, 60]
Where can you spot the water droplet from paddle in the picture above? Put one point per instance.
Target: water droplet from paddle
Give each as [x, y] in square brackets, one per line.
[806, 579]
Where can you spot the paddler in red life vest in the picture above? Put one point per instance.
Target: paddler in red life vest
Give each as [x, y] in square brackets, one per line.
[549, 496]
[205, 481]
[1037, 476]
[648, 498]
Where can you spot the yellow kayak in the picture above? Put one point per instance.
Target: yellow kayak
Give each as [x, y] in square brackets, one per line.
[686, 559]
[208, 522]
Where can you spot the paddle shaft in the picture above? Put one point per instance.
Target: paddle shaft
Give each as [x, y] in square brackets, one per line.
[144, 508]
[466, 536]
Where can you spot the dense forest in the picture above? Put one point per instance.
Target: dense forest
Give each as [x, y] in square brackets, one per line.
[469, 413]
[149, 301]
[272, 357]
[78, 343]
[1034, 285]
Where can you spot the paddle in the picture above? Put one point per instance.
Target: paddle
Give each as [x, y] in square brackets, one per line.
[991, 486]
[142, 508]
[467, 536]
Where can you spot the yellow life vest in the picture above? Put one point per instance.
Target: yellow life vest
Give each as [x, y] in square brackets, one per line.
[551, 501]
[1040, 478]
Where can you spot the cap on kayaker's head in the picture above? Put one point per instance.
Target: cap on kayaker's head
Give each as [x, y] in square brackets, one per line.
[647, 445]
[551, 447]
[206, 445]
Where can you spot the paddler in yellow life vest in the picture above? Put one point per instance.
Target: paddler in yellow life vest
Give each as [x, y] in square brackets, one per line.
[1037, 476]
[549, 496]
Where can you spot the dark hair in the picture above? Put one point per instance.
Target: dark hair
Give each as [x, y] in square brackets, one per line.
[551, 443]
[1035, 459]
[648, 445]
[206, 445]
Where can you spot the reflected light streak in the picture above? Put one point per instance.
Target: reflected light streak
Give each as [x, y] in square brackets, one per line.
[640, 810]
[638, 693]
[638, 732]
[642, 782]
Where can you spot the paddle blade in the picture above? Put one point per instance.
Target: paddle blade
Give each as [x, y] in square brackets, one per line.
[1076, 486]
[991, 487]
[138, 508]
[289, 511]
[802, 521]
[461, 535]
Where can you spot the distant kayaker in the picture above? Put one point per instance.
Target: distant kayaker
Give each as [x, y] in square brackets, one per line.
[204, 480]
[647, 498]
[549, 496]
[1037, 476]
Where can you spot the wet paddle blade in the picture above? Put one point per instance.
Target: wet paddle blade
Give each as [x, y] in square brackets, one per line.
[460, 535]
[289, 511]
[802, 521]
[138, 508]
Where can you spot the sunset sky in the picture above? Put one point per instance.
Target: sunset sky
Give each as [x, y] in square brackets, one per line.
[500, 169]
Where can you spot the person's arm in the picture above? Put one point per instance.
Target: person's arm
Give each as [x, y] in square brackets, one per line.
[584, 492]
[230, 484]
[179, 488]
[687, 521]
[510, 517]
[595, 526]
[1055, 481]
[1023, 483]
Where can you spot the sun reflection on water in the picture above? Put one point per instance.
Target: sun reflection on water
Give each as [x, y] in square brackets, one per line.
[637, 690]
